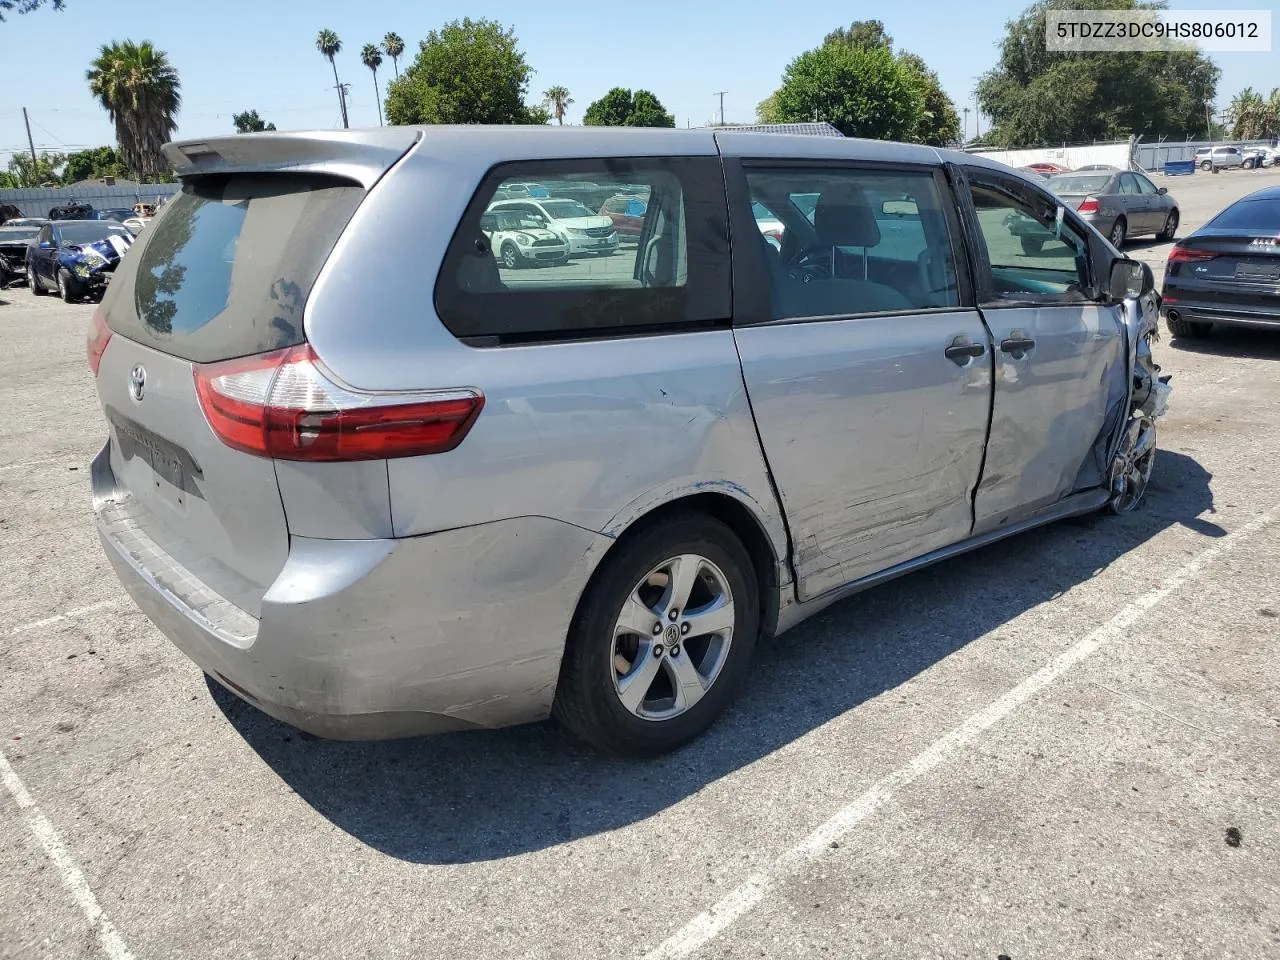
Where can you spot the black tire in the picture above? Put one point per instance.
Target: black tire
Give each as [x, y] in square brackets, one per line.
[586, 701]
[1170, 226]
[1248, 164]
[1119, 232]
[1206, 165]
[1032, 245]
[511, 256]
[69, 289]
[1188, 329]
[33, 281]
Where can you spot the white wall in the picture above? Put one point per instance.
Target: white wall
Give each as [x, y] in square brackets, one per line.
[1114, 154]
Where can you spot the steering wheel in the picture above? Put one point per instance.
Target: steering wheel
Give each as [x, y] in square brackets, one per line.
[812, 263]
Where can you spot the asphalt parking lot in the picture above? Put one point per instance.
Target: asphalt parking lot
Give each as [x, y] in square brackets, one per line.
[1065, 745]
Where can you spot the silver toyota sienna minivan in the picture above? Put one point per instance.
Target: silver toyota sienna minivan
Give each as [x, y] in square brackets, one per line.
[380, 478]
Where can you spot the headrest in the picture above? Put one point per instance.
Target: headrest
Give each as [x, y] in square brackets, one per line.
[843, 218]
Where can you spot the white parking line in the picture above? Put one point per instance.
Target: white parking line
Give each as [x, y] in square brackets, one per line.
[748, 895]
[112, 943]
[69, 615]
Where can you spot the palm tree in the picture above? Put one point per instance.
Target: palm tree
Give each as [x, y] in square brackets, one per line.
[330, 46]
[557, 99]
[372, 57]
[139, 89]
[394, 46]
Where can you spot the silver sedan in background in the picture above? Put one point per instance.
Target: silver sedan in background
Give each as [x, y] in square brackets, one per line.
[1119, 203]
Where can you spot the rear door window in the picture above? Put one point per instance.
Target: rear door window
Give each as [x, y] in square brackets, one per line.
[226, 269]
[578, 276]
[856, 241]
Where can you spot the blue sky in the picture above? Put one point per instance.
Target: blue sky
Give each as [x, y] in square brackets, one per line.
[238, 54]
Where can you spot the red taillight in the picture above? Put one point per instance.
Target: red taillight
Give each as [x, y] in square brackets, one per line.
[99, 335]
[282, 405]
[1090, 205]
[1188, 254]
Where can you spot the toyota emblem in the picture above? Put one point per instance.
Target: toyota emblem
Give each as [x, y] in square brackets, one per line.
[137, 381]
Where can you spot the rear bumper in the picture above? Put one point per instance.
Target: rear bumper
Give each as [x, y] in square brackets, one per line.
[375, 639]
[1228, 316]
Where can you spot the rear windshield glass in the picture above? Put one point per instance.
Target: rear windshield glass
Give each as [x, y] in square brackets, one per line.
[1262, 216]
[226, 269]
[1079, 184]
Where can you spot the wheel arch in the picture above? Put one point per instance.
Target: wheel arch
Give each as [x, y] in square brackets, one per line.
[769, 558]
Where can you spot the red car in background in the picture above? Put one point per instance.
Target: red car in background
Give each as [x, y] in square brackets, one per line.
[627, 214]
[1046, 166]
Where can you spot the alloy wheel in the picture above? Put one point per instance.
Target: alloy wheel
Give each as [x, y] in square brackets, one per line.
[672, 637]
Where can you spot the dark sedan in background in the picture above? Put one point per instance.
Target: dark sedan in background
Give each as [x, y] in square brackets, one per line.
[76, 257]
[1119, 203]
[1228, 271]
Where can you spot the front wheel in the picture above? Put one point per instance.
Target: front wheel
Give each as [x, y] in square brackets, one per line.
[510, 256]
[1248, 164]
[662, 638]
[1170, 226]
[68, 289]
[1131, 471]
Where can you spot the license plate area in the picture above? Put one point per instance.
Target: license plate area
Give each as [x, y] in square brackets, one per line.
[170, 469]
[1258, 270]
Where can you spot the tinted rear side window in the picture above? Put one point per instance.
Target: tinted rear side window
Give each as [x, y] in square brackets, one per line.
[226, 269]
[572, 274]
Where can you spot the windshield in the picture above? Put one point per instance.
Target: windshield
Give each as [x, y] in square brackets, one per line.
[519, 221]
[1259, 216]
[87, 231]
[1079, 184]
[9, 234]
[565, 209]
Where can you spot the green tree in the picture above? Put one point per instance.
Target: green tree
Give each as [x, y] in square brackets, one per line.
[939, 123]
[250, 122]
[1253, 117]
[1036, 96]
[861, 92]
[864, 34]
[393, 46]
[330, 46]
[468, 71]
[557, 100]
[41, 171]
[26, 6]
[140, 90]
[622, 108]
[371, 57]
[94, 163]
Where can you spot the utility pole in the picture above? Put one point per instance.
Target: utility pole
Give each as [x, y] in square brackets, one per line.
[977, 122]
[342, 99]
[720, 94]
[30, 142]
[966, 124]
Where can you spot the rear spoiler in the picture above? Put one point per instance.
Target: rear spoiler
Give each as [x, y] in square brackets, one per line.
[362, 156]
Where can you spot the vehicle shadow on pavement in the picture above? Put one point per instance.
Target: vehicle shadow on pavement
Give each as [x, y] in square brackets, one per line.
[1234, 342]
[487, 795]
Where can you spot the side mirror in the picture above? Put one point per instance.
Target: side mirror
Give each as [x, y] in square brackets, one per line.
[1162, 191]
[46, 245]
[1131, 279]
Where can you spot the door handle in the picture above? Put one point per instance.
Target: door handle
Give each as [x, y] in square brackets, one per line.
[1017, 346]
[961, 351]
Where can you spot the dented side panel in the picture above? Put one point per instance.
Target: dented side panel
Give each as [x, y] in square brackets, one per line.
[1055, 410]
[873, 436]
